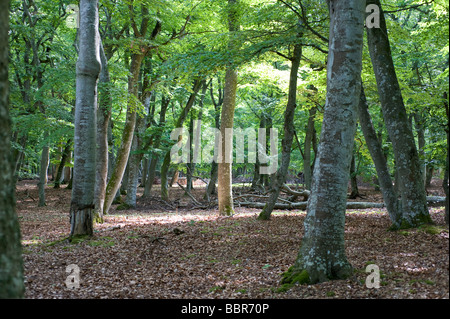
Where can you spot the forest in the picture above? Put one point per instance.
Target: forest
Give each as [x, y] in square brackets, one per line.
[224, 149]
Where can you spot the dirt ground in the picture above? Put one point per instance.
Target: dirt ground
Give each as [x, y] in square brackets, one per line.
[171, 251]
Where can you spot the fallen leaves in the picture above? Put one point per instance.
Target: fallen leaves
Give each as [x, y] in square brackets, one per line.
[197, 254]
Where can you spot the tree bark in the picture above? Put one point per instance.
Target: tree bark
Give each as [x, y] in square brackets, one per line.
[224, 169]
[378, 158]
[88, 70]
[103, 119]
[322, 254]
[182, 117]
[127, 135]
[310, 131]
[11, 263]
[288, 136]
[65, 156]
[411, 184]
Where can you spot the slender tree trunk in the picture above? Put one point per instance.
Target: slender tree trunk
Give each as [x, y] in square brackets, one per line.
[307, 169]
[88, 70]
[155, 156]
[411, 183]
[61, 167]
[127, 135]
[43, 172]
[446, 173]
[322, 253]
[280, 177]
[166, 162]
[103, 119]
[353, 179]
[11, 263]
[224, 189]
[378, 158]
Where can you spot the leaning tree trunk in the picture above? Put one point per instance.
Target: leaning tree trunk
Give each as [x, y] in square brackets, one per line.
[179, 124]
[280, 177]
[11, 263]
[411, 186]
[378, 158]
[88, 70]
[322, 253]
[127, 135]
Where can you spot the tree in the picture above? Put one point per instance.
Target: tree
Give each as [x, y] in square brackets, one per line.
[224, 188]
[411, 186]
[280, 177]
[322, 253]
[11, 263]
[88, 71]
[376, 152]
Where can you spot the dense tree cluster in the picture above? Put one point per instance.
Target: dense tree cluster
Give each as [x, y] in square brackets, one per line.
[98, 87]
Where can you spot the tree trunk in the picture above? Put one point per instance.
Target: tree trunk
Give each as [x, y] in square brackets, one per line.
[322, 253]
[353, 179]
[280, 177]
[103, 119]
[88, 70]
[62, 164]
[127, 135]
[378, 158]
[224, 169]
[43, 171]
[178, 124]
[411, 184]
[155, 156]
[11, 263]
[445, 181]
[310, 131]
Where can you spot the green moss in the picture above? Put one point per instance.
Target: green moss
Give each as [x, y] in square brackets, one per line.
[432, 229]
[79, 239]
[123, 206]
[292, 277]
[229, 211]
[331, 294]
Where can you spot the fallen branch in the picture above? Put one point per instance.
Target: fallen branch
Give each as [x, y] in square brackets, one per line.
[190, 195]
[302, 205]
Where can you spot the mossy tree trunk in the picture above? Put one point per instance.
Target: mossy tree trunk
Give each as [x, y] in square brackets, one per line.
[88, 70]
[410, 179]
[11, 263]
[322, 254]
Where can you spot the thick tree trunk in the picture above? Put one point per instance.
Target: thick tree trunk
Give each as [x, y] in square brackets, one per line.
[411, 184]
[378, 158]
[288, 136]
[88, 70]
[322, 253]
[11, 263]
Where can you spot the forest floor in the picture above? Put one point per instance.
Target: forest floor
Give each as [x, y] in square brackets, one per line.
[157, 252]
